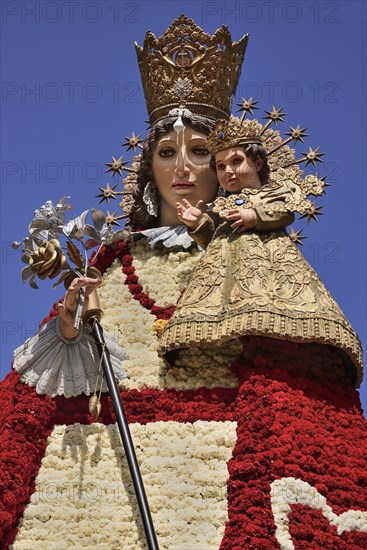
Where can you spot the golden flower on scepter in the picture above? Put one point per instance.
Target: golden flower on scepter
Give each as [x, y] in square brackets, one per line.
[43, 251]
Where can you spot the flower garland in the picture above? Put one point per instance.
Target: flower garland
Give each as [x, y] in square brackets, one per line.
[177, 268]
[150, 264]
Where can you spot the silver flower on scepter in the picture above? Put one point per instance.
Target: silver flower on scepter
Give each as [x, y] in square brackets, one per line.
[50, 245]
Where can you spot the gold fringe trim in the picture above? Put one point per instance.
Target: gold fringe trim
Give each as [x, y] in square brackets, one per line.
[264, 323]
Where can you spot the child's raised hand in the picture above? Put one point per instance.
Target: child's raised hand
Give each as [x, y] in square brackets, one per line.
[188, 214]
[245, 218]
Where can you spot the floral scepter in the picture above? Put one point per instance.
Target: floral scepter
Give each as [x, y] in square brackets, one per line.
[43, 253]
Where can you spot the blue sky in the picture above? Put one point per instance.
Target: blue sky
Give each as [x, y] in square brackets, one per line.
[71, 92]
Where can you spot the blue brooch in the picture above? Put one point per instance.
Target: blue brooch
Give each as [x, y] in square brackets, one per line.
[239, 201]
[220, 135]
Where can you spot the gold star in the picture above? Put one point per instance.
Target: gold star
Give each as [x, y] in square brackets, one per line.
[312, 213]
[326, 184]
[297, 134]
[246, 106]
[296, 236]
[312, 156]
[275, 115]
[107, 194]
[116, 166]
[133, 142]
[111, 219]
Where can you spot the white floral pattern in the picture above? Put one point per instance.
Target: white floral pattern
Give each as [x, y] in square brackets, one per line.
[84, 496]
[177, 268]
[288, 490]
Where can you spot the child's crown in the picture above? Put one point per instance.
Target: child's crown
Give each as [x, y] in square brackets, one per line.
[233, 132]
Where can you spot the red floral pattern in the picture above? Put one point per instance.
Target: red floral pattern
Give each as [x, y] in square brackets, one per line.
[298, 416]
[26, 420]
[309, 529]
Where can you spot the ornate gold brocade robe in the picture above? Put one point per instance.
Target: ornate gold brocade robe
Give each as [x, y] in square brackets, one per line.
[258, 283]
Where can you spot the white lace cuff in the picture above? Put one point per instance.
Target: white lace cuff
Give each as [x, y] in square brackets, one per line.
[56, 366]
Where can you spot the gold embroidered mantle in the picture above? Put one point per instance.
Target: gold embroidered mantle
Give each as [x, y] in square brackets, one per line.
[257, 283]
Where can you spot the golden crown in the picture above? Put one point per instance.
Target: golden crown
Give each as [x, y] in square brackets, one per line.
[226, 134]
[187, 67]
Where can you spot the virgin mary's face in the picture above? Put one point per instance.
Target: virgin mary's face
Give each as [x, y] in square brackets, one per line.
[181, 169]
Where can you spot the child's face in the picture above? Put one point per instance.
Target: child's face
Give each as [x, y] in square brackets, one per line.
[236, 171]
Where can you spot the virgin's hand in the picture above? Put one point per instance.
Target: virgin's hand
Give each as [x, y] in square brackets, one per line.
[245, 218]
[188, 214]
[67, 308]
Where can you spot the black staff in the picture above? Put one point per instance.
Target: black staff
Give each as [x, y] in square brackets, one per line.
[125, 435]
